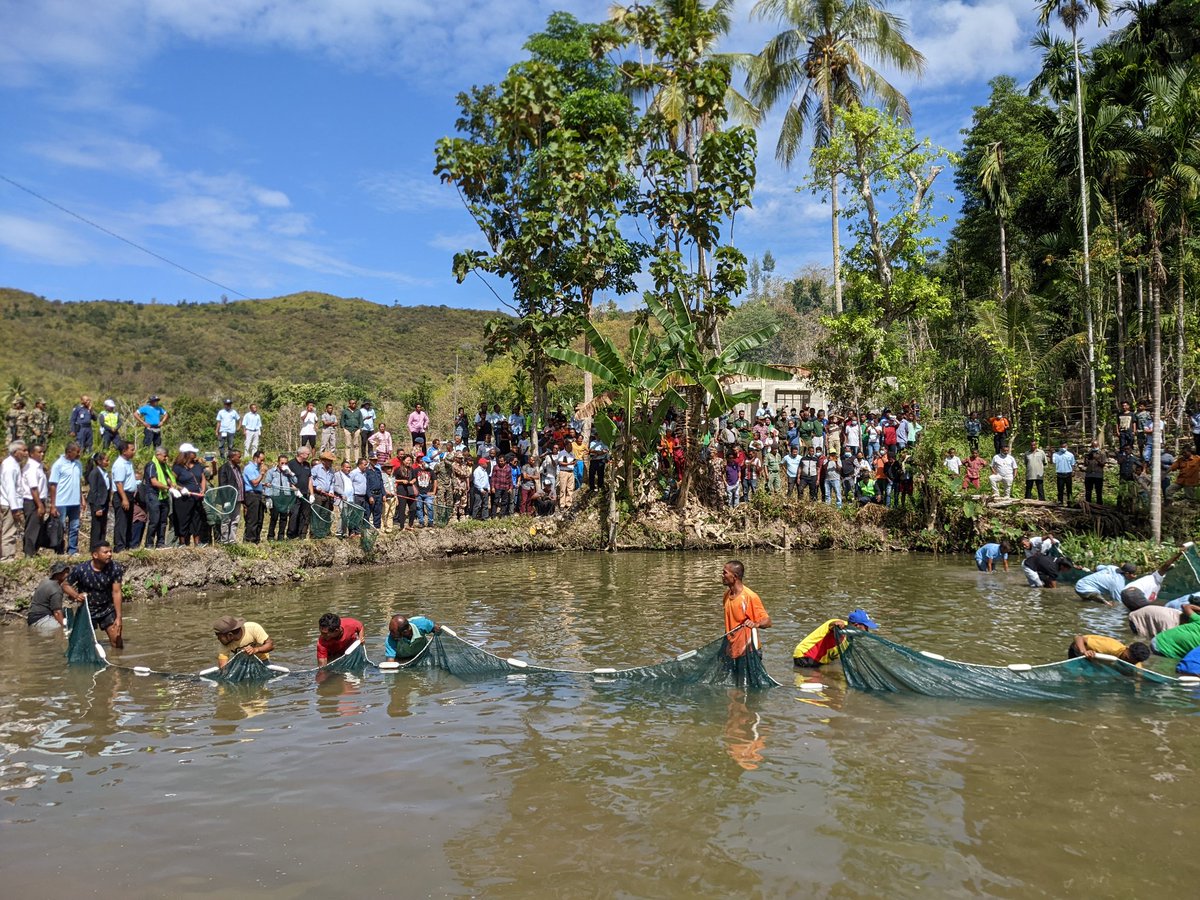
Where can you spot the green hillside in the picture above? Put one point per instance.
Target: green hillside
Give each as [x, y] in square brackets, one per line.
[124, 349]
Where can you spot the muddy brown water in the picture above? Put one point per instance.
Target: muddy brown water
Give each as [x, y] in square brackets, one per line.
[422, 785]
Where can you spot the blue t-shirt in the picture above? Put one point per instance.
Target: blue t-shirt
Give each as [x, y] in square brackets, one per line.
[421, 626]
[151, 415]
[1106, 580]
[989, 551]
[792, 465]
[66, 474]
[250, 472]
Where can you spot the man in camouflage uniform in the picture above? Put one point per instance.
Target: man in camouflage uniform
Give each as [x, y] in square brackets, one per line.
[17, 420]
[461, 471]
[39, 423]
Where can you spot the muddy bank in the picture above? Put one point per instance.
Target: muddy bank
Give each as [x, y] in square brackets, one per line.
[768, 524]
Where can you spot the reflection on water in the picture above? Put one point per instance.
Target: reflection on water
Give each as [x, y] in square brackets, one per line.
[419, 784]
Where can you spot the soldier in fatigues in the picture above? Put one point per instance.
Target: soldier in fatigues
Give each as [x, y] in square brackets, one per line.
[17, 420]
[39, 423]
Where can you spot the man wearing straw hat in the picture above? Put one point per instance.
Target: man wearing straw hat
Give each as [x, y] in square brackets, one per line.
[237, 634]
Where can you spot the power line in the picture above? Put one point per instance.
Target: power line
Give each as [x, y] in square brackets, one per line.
[110, 233]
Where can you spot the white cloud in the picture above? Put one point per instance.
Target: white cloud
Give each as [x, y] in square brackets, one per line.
[43, 242]
[463, 38]
[457, 241]
[408, 192]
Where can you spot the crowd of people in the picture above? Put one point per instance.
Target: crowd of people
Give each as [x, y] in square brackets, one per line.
[486, 467]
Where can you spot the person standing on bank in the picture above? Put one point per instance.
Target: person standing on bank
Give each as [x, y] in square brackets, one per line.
[252, 429]
[99, 495]
[124, 489]
[743, 607]
[153, 418]
[35, 496]
[253, 476]
[1035, 471]
[159, 480]
[66, 478]
[80, 423]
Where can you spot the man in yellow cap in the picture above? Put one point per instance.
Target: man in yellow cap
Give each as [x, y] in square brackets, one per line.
[237, 634]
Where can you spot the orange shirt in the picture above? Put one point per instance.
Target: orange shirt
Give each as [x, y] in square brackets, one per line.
[999, 424]
[1189, 471]
[746, 606]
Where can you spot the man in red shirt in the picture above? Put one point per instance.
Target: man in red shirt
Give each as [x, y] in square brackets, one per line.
[337, 634]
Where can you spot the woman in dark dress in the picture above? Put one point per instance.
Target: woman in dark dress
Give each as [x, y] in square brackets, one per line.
[99, 495]
[188, 508]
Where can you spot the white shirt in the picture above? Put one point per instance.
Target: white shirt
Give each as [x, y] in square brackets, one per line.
[33, 481]
[227, 420]
[308, 425]
[481, 479]
[1004, 466]
[1148, 585]
[252, 421]
[368, 419]
[10, 483]
[953, 463]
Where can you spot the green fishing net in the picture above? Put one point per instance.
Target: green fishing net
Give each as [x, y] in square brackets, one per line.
[873, 663]
[1183, 578]
[442, 513]
[353, 517]
[710, 664]
[281, 501]
[370, 534]
[82, 648]
[320, 523]
[220, 504]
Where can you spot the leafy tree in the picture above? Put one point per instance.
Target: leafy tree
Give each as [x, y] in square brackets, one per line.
[819, 64]
[541, 170]
[890, 216]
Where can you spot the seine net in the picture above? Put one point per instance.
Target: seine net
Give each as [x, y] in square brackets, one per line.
[244, 667]
[873, 663]
[442, 513]
[220, 504]
[710, 664]
[1183, 578]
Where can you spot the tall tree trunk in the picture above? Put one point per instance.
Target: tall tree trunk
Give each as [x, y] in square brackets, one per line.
[1142, 362]
[1120, 286]
[1180, 347]
[586, 296]
[1157, 283]
[837, 248]
[1005, 284]
[1087, 254]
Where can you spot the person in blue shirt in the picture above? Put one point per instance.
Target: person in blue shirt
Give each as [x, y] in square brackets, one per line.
[66, 477]
[152, 417]
[1064, 471]
[253, 476]
[124, 489]
[1105, 584]
[988, 555]
[407, 637]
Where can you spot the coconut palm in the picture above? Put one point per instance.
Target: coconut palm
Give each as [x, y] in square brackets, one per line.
[994, 183]
[823, 60]
[1072, 14]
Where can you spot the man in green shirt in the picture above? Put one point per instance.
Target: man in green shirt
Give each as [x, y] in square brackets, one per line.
[1179, 641]
[351, 422]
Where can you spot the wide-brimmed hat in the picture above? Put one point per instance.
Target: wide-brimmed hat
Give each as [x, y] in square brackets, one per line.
[327, 455]
[58, 568]
[226, 624]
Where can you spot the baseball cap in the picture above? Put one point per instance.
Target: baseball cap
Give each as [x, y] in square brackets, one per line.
[58, 568]
[188, 448]
[111, 403]
[226, 624]
[860, 617]
[1129, 568]
[227, 401]
[154, 398]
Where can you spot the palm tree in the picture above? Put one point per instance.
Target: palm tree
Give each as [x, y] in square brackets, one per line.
[1073, 13]
[995, 194]
[821, 61]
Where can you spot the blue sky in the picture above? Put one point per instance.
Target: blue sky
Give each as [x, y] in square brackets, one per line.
[276, 146]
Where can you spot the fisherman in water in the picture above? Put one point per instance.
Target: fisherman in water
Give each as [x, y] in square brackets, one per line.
[407, 637]
[823, 644]
[743, 607]
[338, 633]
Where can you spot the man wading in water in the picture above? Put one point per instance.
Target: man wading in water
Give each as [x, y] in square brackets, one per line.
[742, 607]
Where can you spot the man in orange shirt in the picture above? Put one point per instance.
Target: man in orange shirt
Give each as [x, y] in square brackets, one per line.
[742, 607]
[1187, 482]
[1000, 427]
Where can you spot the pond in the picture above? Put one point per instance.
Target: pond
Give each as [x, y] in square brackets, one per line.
[418, 784]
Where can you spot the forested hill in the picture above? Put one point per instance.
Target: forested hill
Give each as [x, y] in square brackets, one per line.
[60, 350]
